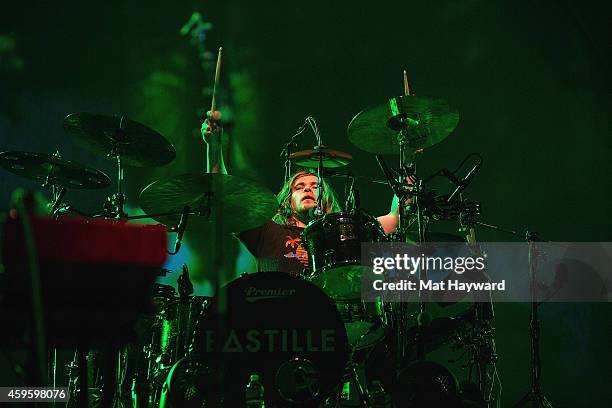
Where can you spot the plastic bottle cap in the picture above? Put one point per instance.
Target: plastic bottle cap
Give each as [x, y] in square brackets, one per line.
[254, 377]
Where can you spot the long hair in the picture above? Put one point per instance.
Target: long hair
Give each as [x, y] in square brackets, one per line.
[286, 215]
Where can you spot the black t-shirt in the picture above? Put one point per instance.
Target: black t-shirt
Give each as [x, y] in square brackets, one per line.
[276, 247]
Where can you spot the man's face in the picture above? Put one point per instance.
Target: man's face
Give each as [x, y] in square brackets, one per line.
[304, 193]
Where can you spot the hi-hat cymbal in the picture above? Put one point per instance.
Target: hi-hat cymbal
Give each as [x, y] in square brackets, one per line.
[110, 135]
[428, 120]
[50, 169]
[234, 203]
[328, 157]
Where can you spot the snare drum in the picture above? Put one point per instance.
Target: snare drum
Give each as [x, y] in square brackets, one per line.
[333, 243]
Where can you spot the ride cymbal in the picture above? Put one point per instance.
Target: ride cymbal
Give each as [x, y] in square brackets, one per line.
[377, 129]
[329, 158]
[111, 136]
[49, 169]
[234, 203]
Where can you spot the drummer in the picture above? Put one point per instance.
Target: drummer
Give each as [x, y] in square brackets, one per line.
[277, 244]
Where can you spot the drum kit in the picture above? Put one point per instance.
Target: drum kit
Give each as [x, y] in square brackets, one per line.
[310, 339]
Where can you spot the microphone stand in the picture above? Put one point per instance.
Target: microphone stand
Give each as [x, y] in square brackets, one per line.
[313, 125]
[534, 397]
[288, 150]
[463, 184]
[319, 210]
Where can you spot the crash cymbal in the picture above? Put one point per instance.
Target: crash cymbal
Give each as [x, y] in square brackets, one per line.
[243, 203]
[330, 158]
[49, 169]
[111, 135]
[376, 129]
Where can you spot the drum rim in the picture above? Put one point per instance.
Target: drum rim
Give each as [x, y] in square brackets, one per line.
[338, 214]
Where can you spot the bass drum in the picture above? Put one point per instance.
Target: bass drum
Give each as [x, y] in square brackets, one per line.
[280, 327]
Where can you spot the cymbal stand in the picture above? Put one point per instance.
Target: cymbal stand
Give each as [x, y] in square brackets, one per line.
[113, 208]
[480, 342]
[57, 193]
[404, 141]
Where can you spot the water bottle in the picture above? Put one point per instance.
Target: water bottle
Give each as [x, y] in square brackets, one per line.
[254, 394]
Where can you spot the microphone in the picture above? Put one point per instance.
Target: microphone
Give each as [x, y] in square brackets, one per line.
[465, 182]
[180, 230]
[395, 186]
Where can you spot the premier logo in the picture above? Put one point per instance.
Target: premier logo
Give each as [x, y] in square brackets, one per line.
[253, 294]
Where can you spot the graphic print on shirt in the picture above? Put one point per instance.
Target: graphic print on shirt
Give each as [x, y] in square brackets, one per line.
[297, 251]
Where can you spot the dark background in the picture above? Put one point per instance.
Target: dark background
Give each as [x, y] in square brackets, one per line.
[529, 79]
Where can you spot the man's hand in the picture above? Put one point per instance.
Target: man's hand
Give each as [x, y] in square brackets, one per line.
[211, 133]
[212, 126]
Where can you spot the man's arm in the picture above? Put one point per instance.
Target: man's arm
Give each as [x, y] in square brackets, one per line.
[389, 221]
[212, 132]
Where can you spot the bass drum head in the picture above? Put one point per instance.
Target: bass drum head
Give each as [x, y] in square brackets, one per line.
[280, 327]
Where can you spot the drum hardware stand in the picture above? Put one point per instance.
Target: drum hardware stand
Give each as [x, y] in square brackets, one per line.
[364, 396]
[534, 397]
[465, 182]
[353, 375]
[78, 386]
[180, 230]
[78, 381]
[185, 287]
[113, 208]
[83, 381]
[353, 201]
[56, 203]
[286, 152]
[57, 193]
[481, 341]
[416, 192]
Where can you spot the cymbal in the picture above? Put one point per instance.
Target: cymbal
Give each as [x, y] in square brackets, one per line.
[42, 167]
[111, 135]
[330, 158]
[376, 129]
[236, 203]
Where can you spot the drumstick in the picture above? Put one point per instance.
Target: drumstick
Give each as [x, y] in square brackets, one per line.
[217, 74]
[406, 87]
